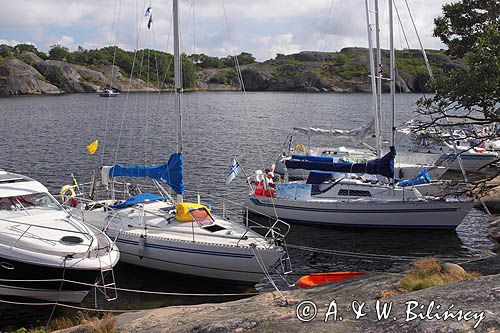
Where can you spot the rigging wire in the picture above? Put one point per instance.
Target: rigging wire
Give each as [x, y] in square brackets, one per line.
[111, 78]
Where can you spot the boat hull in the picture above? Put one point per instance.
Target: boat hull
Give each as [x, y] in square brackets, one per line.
[23, 279]
[397, 214]
[236, 265]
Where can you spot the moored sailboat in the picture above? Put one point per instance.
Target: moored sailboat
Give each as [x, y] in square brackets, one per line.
[155, 230]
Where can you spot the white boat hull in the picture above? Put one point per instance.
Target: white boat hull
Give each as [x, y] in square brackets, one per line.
[231, 264]
[397, 214]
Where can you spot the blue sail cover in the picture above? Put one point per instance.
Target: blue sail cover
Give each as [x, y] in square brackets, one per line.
[139, 198]
[422, 177]
[313, 158]
[383, 166]
[171, 173]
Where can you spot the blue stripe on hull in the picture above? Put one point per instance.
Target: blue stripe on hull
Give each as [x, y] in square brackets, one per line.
[365, 211]
[179, 249]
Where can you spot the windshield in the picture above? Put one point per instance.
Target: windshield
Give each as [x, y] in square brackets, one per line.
[35, 201]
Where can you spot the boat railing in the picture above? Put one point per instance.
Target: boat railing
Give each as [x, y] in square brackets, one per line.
[26, 233]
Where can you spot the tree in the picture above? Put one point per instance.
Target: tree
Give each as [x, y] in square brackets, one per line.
[6, 50]
[469, 96]
[59, 52]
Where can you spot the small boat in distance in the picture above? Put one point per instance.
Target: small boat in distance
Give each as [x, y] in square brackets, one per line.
[109, 93]
[44, 253]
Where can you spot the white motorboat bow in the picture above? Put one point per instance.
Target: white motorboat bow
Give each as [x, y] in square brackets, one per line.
[43, 249]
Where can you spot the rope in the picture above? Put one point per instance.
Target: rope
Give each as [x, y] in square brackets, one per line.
[372, 255]
[136, 290]
[264, 269]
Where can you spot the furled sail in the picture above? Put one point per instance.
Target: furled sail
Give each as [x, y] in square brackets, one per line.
[383, 166]
[170, 173]
[359, 133]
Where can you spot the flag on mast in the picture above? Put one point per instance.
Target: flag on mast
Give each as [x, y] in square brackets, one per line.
[150, 21]
[233, 171]
[92, 148]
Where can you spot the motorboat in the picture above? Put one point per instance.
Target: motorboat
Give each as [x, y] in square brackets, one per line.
[46, 254]
[109, 93]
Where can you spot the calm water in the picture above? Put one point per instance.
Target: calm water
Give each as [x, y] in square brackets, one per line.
[45, 137]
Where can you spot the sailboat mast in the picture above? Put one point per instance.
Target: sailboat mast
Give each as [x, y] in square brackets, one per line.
[178, 81]
[379, 75]
[392, 64]
[372, 75]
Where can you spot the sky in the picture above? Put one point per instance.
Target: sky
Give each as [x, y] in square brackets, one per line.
[214, 27]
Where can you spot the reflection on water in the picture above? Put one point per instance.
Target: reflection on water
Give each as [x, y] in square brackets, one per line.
[45, 137]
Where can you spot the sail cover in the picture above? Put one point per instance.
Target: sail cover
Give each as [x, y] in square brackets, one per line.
[137, 199]
[170, 173]
[358, 133]
[422, 177]
[383, 166]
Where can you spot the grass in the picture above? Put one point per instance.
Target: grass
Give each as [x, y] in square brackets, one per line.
[427, 273]
[102, 324]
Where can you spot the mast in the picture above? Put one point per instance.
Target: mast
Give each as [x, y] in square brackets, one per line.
[379, 77]
[392, 64]
[372, 75]
[178, 81]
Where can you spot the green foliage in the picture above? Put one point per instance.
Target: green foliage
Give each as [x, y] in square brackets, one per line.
[57, 78]
[20, 48]
[59, 52]
[6, 51]
[470, 30]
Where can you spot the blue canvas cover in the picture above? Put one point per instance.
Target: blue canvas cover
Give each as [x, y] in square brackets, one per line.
[383, 166]
[171, 173]
[139, 198]
[422, 177]
[312, 158]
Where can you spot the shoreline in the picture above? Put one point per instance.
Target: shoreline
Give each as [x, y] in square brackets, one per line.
[268, 312]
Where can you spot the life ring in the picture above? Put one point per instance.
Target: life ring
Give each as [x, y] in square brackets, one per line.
[299, 147]
[67, 192]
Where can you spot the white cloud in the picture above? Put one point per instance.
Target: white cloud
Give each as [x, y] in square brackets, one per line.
[67, 41]
[261, 27]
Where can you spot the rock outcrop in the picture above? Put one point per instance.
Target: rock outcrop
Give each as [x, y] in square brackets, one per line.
[344, 71]
[478, 297]
[19, 78]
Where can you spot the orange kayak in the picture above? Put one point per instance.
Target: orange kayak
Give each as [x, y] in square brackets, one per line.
[315, 279]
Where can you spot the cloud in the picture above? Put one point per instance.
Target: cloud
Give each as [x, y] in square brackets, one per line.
[261, 27]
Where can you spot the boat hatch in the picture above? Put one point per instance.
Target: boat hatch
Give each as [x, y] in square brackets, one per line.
[354, 193]
[71, 240]
[214, 228]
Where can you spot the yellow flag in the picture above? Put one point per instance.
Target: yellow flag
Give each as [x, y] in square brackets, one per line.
[92, 148]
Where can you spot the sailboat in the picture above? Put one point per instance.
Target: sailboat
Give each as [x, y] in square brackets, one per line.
[155, 230]
[339, 193]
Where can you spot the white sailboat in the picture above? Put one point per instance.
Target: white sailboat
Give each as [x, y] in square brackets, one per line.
[155, 230]
[46, 254]
[336, 194]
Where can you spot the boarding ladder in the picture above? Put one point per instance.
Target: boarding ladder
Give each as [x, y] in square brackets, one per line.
[107, 284]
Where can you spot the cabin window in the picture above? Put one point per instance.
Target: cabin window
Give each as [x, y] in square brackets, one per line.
[354, 193]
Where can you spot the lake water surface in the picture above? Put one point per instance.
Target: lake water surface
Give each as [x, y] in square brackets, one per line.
[45, 137]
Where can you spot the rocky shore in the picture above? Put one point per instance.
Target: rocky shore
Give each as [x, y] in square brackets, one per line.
[343, 71]
[479, 298]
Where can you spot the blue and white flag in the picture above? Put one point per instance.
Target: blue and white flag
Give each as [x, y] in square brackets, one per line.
[148, 11]
[233, 172]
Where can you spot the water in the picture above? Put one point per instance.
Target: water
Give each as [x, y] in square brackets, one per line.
[45, 137]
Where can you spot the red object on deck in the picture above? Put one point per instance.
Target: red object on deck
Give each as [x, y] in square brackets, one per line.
[260, 191]
[316, 279]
